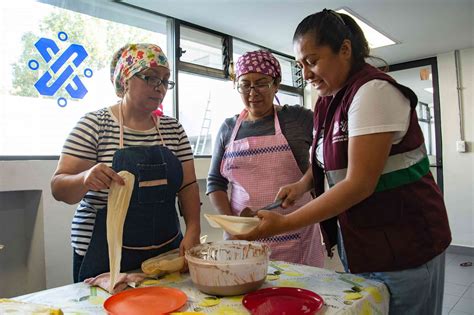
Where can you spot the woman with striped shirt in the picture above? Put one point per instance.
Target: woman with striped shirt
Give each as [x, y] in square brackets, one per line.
[128, 136]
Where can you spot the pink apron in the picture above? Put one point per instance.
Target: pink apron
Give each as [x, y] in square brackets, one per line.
[256, 168]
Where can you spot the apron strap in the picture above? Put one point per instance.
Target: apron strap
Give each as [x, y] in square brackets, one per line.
[156, 121]
[121, 126]
[241, 117]
[244, 115]
[276, 120]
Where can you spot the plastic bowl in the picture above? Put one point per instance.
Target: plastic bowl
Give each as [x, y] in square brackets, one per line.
[228, 267]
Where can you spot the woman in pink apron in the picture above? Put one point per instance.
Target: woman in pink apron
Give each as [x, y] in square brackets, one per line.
[259, 151]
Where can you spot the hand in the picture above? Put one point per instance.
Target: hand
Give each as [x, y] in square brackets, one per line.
[190, 239]
[271, 224]
[100, 176]
[290, 193]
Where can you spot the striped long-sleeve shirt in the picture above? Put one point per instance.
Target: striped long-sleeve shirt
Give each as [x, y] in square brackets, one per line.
[96, 138]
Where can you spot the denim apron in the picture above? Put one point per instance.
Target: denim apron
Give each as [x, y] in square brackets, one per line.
[152, 225]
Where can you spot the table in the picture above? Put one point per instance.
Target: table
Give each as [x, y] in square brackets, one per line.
[342, 293]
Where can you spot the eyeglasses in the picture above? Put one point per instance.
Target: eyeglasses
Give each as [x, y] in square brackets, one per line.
[245, 88]
[156, 82]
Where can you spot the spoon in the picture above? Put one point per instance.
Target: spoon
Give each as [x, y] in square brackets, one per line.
[247, 212]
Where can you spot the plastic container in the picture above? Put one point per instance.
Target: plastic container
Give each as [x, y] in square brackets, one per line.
[228, 267]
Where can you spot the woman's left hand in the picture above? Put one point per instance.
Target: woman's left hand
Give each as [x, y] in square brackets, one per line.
[190, 239]
[271, 223]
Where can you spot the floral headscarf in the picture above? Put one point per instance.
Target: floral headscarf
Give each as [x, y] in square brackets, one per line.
[134, 58]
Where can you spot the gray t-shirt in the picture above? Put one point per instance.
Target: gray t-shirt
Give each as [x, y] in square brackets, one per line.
[296, 123]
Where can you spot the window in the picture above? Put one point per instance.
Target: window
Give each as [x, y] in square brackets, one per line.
[42, 95]
[200, 48]
[286, 70]
[241, 47]
[54, 64]
[204, 104]
[289, 98]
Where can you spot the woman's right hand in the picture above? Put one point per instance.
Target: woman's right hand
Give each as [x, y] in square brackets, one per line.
[290, 193]
[100, 176]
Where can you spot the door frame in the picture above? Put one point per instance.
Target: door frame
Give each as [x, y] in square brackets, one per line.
[433, 62]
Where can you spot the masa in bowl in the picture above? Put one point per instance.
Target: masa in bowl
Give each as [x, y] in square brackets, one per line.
[228, 267]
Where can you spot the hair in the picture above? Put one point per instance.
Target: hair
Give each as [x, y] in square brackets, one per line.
[331, 28]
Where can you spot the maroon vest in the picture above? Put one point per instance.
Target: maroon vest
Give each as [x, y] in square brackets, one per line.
[396, 228]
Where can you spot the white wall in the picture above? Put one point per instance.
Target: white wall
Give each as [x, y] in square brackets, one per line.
[202, 167]
[458, 168]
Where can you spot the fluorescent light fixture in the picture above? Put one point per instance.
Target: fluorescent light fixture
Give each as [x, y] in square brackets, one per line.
[375, 38]
[429, 90]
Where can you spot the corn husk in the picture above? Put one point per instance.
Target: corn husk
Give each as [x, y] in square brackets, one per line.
[117, 207]
[168, 262]
[8, 306]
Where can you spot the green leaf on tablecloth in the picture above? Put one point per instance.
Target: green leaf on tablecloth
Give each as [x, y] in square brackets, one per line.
[272, 277]
[353, 296]
[356, 288]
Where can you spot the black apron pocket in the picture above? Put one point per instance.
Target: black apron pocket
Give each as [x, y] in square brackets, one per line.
[152, 183]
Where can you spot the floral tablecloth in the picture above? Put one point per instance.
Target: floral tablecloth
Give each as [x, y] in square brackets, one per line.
[342, 293]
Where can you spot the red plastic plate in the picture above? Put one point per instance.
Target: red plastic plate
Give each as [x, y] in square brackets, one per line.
[145, 301]
[279, 301]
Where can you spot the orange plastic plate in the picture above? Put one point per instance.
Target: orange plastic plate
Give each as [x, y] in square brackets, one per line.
[145, 301]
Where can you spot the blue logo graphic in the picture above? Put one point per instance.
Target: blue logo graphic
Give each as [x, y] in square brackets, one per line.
[48, 49]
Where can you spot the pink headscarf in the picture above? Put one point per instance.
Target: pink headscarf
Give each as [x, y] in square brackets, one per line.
[259, 61]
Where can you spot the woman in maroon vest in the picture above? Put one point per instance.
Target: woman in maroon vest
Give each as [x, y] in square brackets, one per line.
[377, 198]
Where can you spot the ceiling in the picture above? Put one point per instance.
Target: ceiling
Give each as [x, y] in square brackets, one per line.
[422, 28]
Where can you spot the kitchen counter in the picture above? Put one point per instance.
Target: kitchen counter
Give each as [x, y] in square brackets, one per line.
[342, 293]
